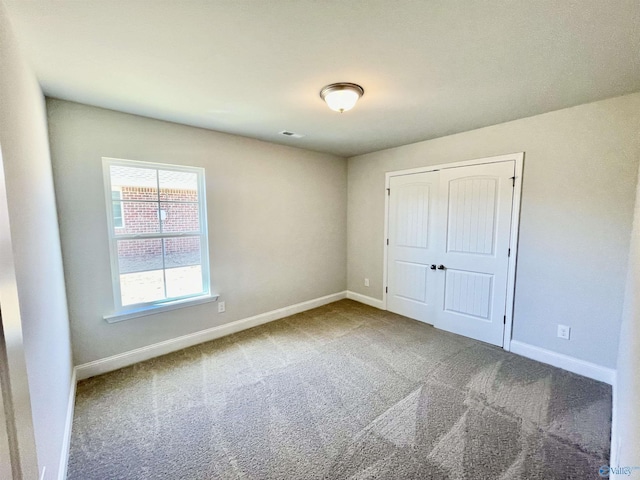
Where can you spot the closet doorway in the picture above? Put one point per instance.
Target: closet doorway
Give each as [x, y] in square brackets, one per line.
[451, 245]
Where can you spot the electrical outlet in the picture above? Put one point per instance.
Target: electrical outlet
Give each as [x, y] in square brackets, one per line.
[564, 331]
[221, 307]
[366, 282]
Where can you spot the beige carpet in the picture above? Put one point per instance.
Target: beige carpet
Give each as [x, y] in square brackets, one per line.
[342, 391]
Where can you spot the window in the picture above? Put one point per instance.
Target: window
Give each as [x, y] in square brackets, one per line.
[157, 233]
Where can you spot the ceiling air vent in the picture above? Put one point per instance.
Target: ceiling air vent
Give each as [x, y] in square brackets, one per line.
[287, 133]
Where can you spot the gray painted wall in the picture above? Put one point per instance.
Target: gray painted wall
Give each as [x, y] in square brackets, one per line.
[32, 291]
[577, 206]
[276, 217]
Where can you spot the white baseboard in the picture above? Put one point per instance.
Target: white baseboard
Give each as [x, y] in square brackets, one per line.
[572, 364]
[373, 302]
[104, 365]
[66, 439]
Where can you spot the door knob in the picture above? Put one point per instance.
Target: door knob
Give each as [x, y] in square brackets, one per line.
[441, 267]
[433, 267]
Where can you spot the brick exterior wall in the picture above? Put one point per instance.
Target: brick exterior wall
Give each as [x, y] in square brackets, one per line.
[143, 218]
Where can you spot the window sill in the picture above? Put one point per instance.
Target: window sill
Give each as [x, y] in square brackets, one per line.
[165, 307]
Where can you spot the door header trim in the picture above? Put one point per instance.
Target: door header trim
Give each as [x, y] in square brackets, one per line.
[519, 156]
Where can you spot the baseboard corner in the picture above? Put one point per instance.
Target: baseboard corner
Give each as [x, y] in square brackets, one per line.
[372, 302]
[565, 362]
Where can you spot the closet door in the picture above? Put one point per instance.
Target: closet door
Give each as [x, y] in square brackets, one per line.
[413, 246]
[475, 209]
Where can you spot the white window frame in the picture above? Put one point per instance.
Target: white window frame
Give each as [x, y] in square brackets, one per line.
[140, 309]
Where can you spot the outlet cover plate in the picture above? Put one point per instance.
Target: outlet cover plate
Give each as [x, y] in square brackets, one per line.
[564, 332]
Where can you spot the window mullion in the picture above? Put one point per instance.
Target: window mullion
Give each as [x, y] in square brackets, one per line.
[145, 236]
[164, 265]
[164, 270]
[156, 201]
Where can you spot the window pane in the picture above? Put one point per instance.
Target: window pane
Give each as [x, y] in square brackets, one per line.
[178, 186]
[139, 217]
[183, 263]
[139, 255]
[141, 274]
[133, 177]
[182, 251]
[180, 217]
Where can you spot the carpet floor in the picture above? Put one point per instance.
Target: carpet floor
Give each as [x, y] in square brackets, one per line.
[344, 391]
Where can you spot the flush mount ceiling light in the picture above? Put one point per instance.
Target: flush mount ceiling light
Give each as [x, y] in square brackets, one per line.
[341, 96]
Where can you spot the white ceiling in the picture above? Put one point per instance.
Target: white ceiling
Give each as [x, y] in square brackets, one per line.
[255, 67]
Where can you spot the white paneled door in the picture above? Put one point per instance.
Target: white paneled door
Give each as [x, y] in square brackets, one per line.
[413, 245]
[476, 209]
[448, 254]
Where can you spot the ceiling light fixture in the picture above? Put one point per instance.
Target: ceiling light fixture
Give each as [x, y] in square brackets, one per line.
[341, 96]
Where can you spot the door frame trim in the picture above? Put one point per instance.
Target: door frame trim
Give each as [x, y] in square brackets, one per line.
[518, 158]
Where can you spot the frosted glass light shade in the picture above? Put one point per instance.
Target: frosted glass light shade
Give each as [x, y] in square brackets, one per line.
[341, 97]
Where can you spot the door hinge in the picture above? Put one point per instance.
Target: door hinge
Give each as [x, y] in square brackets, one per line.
[388, 191]
[387, 241]
[513, 181]
[386, 289]
[504, 320]
[508, 253]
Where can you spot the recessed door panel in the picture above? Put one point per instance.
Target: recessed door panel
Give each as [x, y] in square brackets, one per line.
[472, 215]
[411, 281]
[412, 227]
[468, 293]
